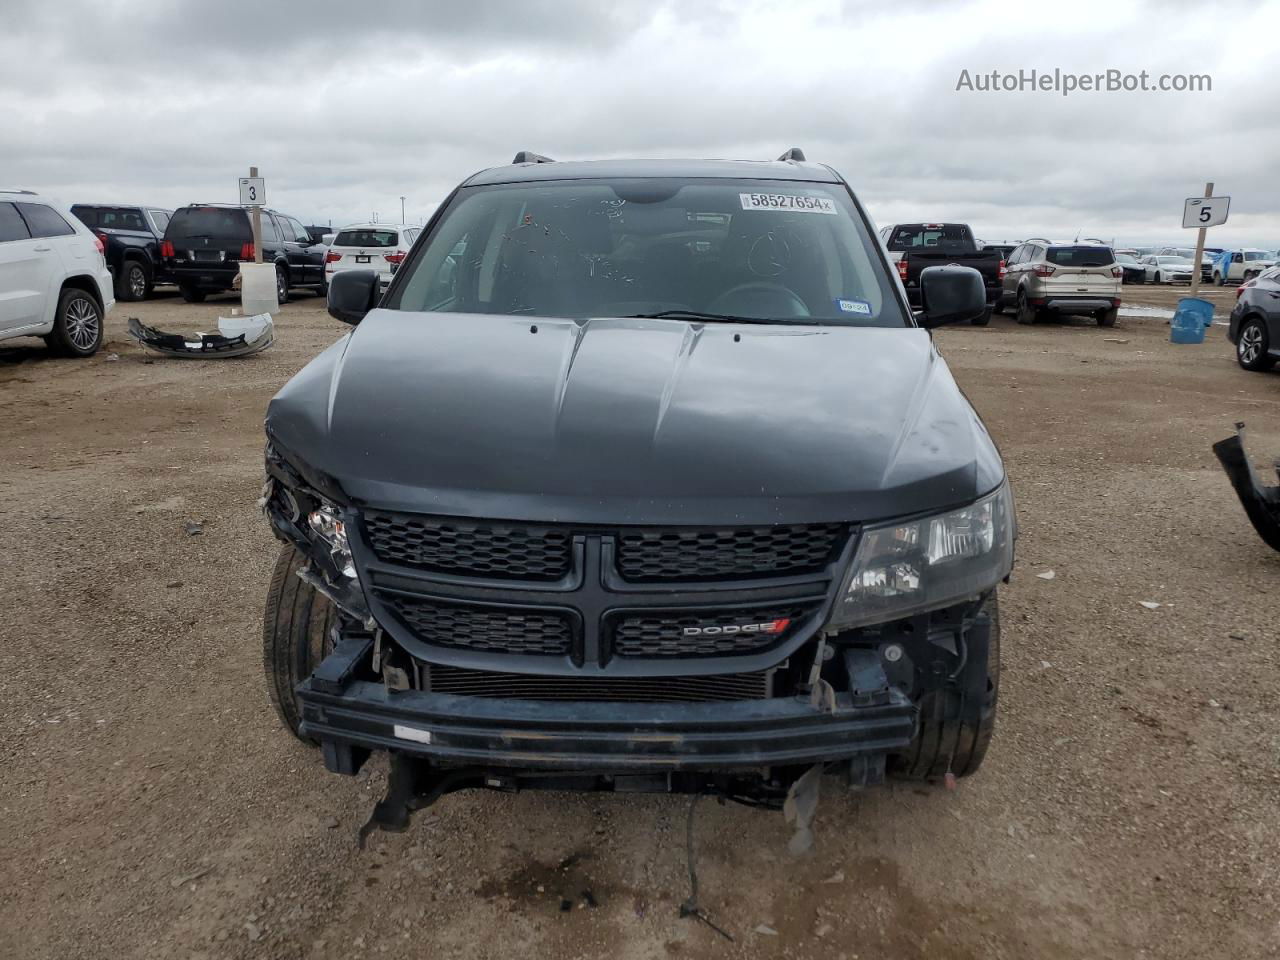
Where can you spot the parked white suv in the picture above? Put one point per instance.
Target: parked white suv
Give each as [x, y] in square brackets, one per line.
[370, 246]
[54, 282]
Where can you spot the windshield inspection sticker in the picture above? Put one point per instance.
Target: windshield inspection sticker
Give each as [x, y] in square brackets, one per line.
[860, 307]
[787, 203]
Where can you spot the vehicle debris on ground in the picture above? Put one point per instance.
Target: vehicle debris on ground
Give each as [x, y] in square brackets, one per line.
[236, 337]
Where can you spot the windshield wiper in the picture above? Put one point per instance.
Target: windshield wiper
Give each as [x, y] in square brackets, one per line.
[700, 315]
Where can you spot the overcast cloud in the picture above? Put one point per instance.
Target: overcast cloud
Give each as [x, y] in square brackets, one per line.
[347, 106]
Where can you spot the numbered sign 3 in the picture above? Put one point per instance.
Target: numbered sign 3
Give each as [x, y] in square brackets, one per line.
[253, 191]
[1205, 211]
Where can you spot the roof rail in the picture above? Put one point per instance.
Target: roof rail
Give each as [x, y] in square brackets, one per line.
[1048, 243]
[528, 156]
[795, 153]
[30, 193]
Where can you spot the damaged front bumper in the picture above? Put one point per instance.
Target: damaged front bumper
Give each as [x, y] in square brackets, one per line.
[350, 718]
[1261, 503]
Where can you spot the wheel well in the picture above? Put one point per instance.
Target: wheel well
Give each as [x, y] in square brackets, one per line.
[83, 283]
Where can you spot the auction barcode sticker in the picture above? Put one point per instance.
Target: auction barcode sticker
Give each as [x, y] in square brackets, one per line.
[784, 202]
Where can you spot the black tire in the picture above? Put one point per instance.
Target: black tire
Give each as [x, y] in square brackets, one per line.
[192, 294]
[944, 742]
[1107, 318]
[1217, 278]
[998, 306]
[77, 325]
[282, 285]
[1027, 314]
[1252, 343]
[1157, 277]
[133, 282]
[295, 635]
[983, 320]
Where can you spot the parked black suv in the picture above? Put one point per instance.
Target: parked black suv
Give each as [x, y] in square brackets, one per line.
[206, 243]
[643, 475]
[130, 238]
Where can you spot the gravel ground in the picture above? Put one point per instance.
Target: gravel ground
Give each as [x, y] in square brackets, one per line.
[152, 806]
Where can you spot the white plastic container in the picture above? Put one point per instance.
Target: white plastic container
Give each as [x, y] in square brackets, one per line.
[258, 289]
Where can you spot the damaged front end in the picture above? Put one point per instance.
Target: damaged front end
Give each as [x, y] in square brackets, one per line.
[1261, 503]
[236, 337]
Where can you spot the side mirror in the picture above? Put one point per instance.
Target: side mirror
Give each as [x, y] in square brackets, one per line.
[950, 294]
[352, 294]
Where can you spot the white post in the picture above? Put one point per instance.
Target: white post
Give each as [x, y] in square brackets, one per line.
[1196, 267]
[256, 217]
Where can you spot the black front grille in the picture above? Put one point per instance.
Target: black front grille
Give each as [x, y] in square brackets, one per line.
[520, 686]
[655, 555]
[662, 633]
[491, 629]
[470, 548]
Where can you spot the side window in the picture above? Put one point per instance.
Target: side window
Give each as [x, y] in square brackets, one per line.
[159, 220]
[1237, 258]
[270, 233]
[1015, 256]
[44, 221]
[295, 231]
[87, 215]
[12, 226]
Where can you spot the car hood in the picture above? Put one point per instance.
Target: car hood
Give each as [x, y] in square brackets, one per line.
[635, 420]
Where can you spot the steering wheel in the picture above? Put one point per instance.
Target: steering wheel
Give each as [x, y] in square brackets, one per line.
[759, 298]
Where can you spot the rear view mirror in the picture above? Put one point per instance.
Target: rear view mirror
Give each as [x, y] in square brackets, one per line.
[951, 294]
[352, 294]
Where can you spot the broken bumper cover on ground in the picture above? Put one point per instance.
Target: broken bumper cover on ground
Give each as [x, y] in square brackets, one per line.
[236, 337]
[1261, 504]
[599, 737]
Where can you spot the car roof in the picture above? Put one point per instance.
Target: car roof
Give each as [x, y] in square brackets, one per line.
[677, 169]
[140, 206]
[370, 226]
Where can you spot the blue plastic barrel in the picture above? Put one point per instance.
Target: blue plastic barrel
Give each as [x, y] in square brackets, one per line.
[1190, 320]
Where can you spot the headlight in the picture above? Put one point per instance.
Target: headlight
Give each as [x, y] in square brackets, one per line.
[902, 569]
[327, 526]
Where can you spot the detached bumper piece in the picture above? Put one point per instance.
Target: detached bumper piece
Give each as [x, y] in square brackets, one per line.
[1261, 504]
[236, 337]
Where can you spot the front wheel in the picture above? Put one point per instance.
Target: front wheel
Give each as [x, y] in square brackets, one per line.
[282, 286]
[1217, 278]
[1252, 347]
[1158, 276]
[295, 635]
[952, 736]
[77, 325]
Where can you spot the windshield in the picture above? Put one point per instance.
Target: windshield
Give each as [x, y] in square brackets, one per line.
[1172, 260]
[1125, 258]
[219, 223]
[1078, 256]
[366, 238]
[942, 237]
[766, 250]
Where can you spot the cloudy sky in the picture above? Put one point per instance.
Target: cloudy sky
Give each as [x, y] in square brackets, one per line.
[347, 106]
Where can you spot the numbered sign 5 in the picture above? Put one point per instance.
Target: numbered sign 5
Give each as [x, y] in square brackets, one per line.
[1205, 211]
[253, 191]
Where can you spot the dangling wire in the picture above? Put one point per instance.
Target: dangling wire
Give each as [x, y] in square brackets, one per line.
[690, 907]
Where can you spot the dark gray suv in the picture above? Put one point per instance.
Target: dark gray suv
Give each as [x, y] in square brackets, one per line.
[641, 476]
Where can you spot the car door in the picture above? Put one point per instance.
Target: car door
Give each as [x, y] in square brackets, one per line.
[303, 263]
[52, 251]
[24, 273]
[1009, 285]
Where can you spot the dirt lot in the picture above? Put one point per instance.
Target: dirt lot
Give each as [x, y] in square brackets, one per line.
[151, 806]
